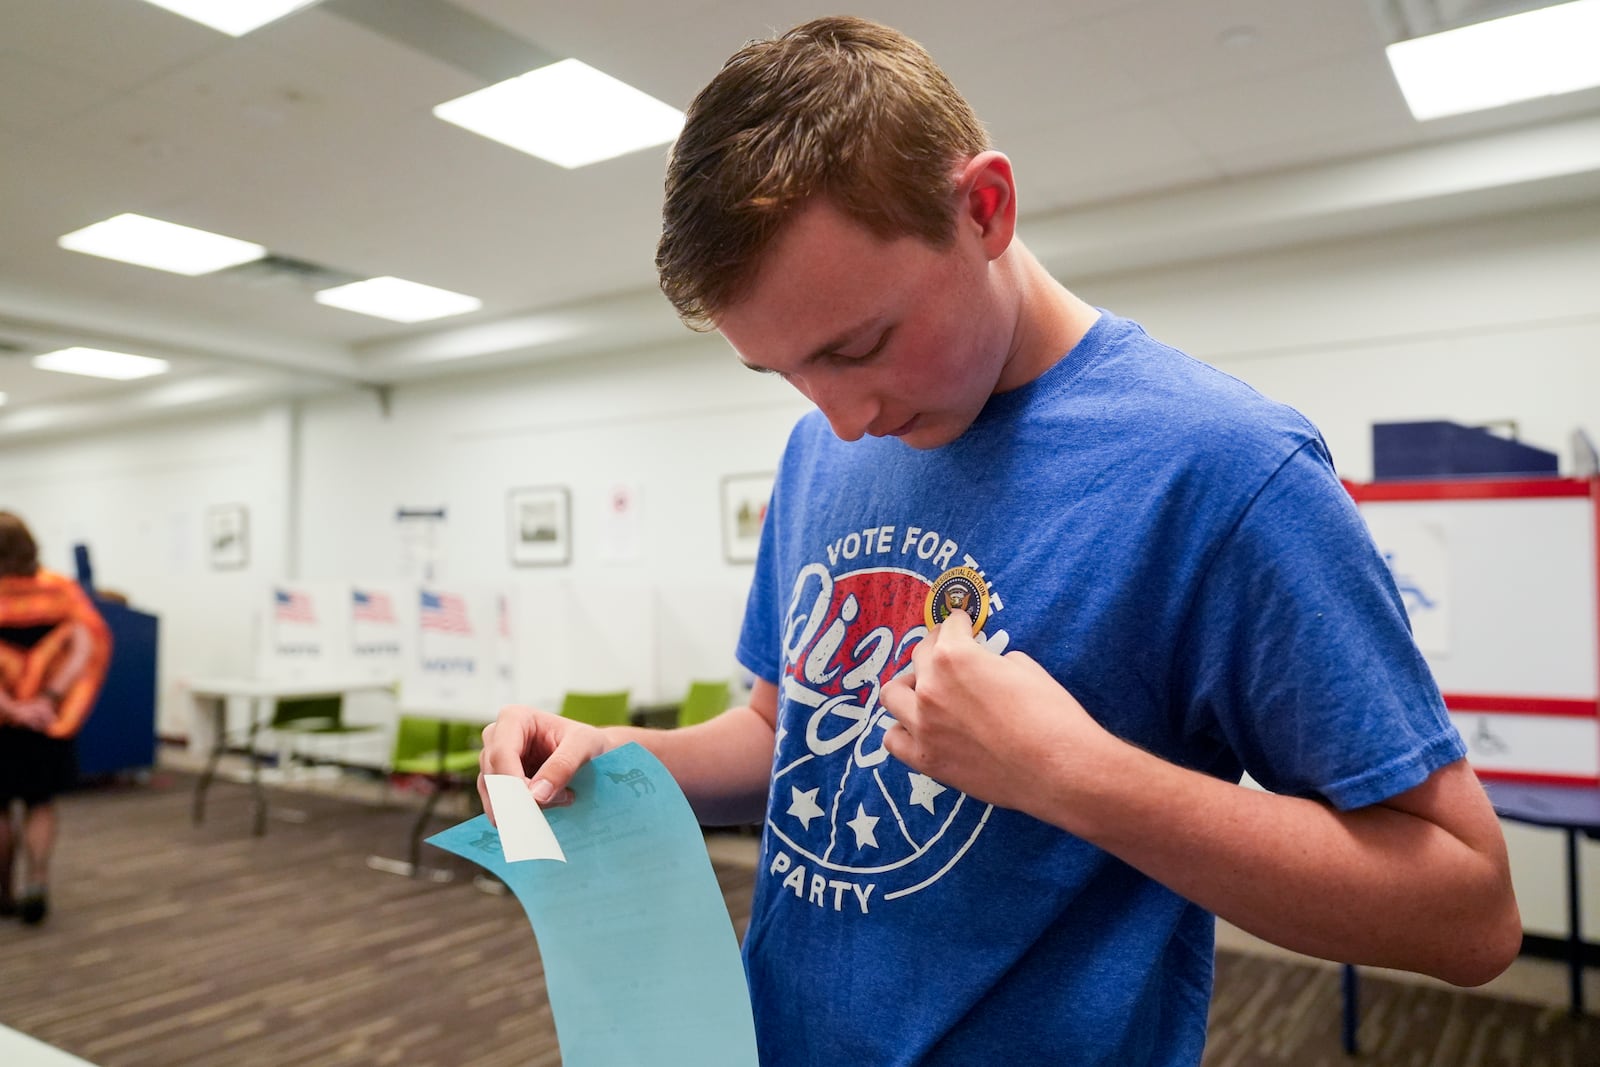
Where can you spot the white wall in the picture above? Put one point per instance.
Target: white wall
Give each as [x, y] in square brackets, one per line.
[139, 500]
[1498, 319]
[669, 424]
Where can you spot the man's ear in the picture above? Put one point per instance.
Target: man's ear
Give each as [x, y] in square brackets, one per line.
[988, 201]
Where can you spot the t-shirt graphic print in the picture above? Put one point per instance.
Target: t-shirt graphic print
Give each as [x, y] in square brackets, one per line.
[853, 828]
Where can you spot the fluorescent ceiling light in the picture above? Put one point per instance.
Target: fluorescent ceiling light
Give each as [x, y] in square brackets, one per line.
[1520, 57]
[98, 363]
[568, 113]
[398, 300]
[233, 17]
[148, 242]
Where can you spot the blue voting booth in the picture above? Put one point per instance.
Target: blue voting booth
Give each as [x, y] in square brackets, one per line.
[1439, 449]
[120, 734]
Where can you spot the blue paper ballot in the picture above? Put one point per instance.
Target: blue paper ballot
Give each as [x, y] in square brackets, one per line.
[640, 957]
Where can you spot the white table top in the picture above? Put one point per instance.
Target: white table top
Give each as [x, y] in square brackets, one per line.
[267, 687]
[486, 714]
[20, 1050]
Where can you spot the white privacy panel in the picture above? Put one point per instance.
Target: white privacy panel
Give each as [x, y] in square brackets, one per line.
[1501, 592]
[1499, 580]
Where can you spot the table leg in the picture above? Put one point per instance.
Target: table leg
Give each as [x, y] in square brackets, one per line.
[1574, 923]
[258, 792]
[420, 827]
[412, 867]
[219, 723]
[1352, 1011]
[439, 780]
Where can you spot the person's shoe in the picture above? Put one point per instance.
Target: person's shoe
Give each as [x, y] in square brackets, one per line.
[8, 907]
[33, 907]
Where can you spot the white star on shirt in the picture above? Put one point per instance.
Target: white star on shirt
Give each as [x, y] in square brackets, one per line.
[782, 733]
[923, 790]
[804, 806]
[863, 825]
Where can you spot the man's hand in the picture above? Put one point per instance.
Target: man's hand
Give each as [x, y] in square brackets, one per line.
[973, 720]
[536, 745]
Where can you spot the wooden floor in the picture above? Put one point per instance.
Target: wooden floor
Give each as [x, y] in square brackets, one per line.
[173, 945]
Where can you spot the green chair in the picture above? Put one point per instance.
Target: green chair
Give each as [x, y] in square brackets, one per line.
[705, 700]
[597, 709]
[435, 746]
[308, 716]
[446, 751]
[318, 716]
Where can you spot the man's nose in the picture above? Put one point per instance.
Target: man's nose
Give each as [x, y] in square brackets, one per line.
[849, 409]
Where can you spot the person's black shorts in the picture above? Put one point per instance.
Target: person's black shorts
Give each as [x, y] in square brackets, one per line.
[33, 767]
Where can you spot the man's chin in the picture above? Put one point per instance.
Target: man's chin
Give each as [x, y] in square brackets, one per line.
[928, 435]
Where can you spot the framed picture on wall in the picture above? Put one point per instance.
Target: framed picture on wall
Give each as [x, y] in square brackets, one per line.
[539, 521]
[228, 536]
[744, 509]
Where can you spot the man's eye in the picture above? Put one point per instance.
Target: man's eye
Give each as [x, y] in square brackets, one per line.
[883, 340]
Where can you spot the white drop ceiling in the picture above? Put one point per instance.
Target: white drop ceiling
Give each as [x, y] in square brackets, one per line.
[1143, 131]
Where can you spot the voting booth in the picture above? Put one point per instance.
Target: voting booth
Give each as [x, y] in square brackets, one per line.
[458, 659]
[1501, 579]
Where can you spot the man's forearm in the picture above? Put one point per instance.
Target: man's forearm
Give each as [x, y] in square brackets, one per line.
[1381, 885]
[723, 766]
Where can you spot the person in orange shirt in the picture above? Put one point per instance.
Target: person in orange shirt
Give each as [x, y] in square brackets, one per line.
[54, 650]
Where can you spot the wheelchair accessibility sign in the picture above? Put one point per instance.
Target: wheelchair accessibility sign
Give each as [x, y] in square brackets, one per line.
[1418, 555]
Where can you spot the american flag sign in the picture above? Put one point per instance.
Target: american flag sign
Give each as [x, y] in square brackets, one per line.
[371, 607]
[445, 613]
[290, 606]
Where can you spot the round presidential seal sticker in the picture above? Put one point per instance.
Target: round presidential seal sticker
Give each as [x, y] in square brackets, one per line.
[958, 590]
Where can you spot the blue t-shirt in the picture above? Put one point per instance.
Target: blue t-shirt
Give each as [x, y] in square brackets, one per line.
[1177, 552]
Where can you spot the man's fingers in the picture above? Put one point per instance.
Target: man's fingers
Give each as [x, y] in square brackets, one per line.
[959, 622]
[506, 741]
[483, 793]
[550, 781]
[515, 744]
[503, 759]
[899, 694]
[897, 741]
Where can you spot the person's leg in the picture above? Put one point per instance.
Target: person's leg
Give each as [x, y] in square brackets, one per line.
[8, 902]
[38, 841]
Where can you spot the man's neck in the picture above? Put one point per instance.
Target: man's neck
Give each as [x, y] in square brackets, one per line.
[1050, 322]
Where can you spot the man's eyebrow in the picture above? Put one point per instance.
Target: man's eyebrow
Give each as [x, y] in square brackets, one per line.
[840, 340]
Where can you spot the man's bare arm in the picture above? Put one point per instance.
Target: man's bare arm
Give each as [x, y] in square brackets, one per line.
[1419, 882]
[723, 766]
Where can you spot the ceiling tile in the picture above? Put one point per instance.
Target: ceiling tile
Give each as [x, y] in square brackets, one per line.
[39, 93]
[118, 43]
[1178, 46]
[1321, 111]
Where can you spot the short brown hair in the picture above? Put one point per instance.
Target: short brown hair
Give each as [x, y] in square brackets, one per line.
[840, 108]
[19, 555]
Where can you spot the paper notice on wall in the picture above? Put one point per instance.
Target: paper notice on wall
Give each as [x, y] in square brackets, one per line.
[621, 536]
[421, 533]
[640, 958]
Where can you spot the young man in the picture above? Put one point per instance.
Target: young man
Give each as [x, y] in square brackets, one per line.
[54, 650]
[972, 857]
